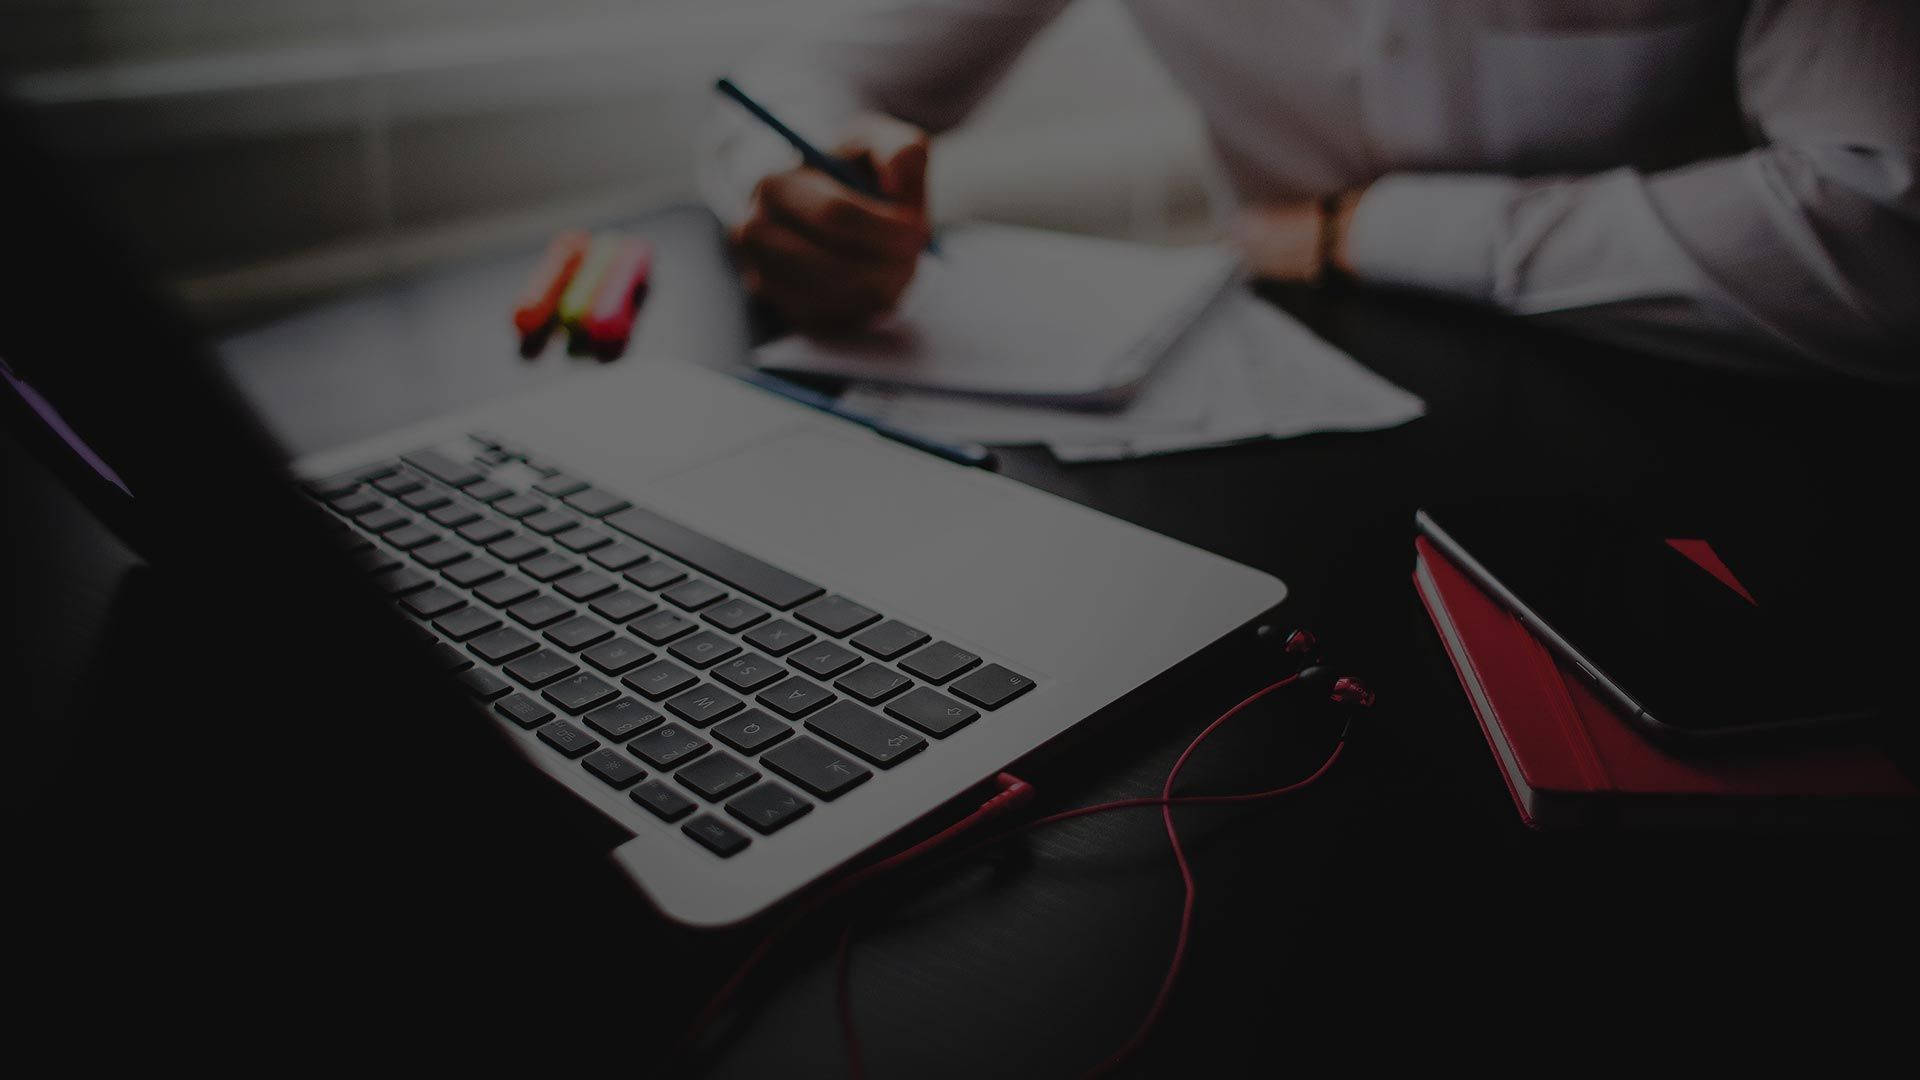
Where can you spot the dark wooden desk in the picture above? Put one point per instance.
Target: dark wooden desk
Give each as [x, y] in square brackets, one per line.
[1404, 886]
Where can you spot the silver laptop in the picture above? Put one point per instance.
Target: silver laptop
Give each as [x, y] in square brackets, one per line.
[759, 638]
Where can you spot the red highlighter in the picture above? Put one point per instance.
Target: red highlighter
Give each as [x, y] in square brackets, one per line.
[610, 317]
[541, 297]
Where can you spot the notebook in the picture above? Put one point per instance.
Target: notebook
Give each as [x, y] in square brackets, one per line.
[1570, 760]
[1027, 314]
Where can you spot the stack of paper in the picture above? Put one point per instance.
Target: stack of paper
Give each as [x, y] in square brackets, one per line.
[1245, 370]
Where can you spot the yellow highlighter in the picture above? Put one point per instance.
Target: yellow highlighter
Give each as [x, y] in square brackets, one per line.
[577, 301]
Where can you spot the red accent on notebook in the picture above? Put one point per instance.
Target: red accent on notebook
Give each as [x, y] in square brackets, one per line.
[1569, 759]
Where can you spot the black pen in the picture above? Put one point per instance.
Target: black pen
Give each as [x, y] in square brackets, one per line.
[960, 453]
[840, 169]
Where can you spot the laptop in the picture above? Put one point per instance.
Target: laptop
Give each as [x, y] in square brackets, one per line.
[755, 639]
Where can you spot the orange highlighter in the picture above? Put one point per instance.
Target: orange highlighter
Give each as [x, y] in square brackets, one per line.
[541, 297]
[609, 320]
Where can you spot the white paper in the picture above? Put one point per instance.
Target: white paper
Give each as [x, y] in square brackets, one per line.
[1025, 313]
[1247, 371]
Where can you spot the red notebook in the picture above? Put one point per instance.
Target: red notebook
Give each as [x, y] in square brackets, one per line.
[1570, 760]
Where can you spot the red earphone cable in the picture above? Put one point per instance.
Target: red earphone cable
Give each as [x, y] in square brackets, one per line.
[1166, 802]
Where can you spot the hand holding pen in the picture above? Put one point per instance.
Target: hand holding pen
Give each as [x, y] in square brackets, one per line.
[833, 243]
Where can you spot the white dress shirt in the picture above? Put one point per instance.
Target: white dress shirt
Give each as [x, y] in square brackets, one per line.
[1736, 180]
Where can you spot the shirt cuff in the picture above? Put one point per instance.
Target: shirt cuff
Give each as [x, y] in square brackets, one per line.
[1436, 232]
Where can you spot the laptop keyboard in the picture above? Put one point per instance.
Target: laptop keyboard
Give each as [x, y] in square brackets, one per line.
[722, 693]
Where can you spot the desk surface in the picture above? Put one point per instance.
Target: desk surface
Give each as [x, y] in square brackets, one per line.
[1406, 875]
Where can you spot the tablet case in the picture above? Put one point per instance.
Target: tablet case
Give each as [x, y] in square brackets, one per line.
[1570, 760]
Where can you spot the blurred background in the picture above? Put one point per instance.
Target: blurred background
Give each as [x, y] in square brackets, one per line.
[266, 152]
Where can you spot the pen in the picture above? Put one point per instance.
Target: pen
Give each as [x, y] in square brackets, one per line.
[972, 454]
[838, 168]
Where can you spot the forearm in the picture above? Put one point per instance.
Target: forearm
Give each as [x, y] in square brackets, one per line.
[1735, 261]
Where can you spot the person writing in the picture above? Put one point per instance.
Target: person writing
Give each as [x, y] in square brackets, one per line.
[1731, 181]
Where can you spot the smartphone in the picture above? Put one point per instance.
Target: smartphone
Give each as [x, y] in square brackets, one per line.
[1664, 626]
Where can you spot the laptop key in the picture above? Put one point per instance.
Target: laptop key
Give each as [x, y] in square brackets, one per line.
[426, 499]
[822, 770]
[694, 595]
[408, 537]
[752, 731]
[658, 679]
[398, 483]
[618, 557]
[932, 712]
[450, 658]
[385, 519]
[468, 573]
[548, 567]
[667, 745]
[654, 576]
[550, 522]
[540, 611]
[484, 531]
[779, 637]
[794, 696]
[768, 807]
[621, 606]
[662, 627]
[583, 540]
[523, 710]
[889, 639]
[578, 693]
[666, 803]
[402, 581]
[484, 684]
[614, 767]
[518, 506]
[595, 503]
[762, 581]
[749, 672]
[332, 487]
[355, 503]
[540, 668]
[584, 587]
[735, 615]
[824, 659]
[567, 739]
[505, 591]
[623, 719]
[373, 560]
[717, 775]
[466, 622]
[559, 484]
[617, 655]
[716, 836]
[501, 645]
[940, 661]
[430, 602]
[513, 549]
[440, 553]
[873, 683]
[579, 632]
[454, 515]
[703, 649]
[992, 686]
[443, 468]
[704, 704]
[487, 491]
[837, 615]
[866, 733]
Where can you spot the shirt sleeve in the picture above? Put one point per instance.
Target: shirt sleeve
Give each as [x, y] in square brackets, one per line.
[928, 62]
[1803, 253]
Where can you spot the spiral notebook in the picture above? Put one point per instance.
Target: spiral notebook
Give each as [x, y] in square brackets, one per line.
[1026, 314]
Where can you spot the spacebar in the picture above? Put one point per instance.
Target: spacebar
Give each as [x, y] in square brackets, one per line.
[768, 584]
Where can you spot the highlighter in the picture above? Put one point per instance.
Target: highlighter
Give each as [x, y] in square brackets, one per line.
[609, 319]
[541, 297]
[579, 295]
